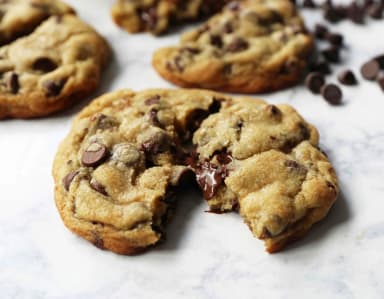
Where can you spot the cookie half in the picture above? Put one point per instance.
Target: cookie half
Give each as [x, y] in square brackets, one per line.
[58, 63]
[156, 16]
[252, 46]
[117, 171]
[263, 161]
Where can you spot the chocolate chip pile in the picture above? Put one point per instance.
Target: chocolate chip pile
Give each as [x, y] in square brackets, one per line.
[356, 11]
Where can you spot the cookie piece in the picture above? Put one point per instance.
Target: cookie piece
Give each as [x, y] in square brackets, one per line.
[57, 64]
[263, 160]
[21, 17]
[157, 15]
[252, 46]
[116, 170]
[127, 152]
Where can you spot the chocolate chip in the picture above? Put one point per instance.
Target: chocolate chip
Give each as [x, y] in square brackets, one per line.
[44, 64]
[370, 70]
[356, 13]
[97, 240]
[331, 14]
[95, 185]
[216, 40]
[190, 50]
[155, 145]
[177, 63]
[335, 39]
[152, 100]
[228, 28]
[332, 94]
[291, 164]
[320, 31]
[68, 179]
[309, 4]
[210, 177]
[13, 83]
[54, 87]
[224, 158]
[380, 60]
[332, 54]
[375, 11]
[314, 82]
[103, 121]
[237, 45]
[150, 18]
[273, 110]
[347, 77]
[94, 155]
[321, 67]
[153, 117]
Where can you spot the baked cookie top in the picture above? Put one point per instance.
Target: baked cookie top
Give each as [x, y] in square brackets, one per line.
[157, 15]
[50, 68]
[127, 152]
[251, 46]
[20, 17]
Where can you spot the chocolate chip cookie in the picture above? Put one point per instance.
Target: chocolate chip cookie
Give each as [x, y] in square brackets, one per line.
[156, 16]
[117, 172]
[252, 46]
[57, 60]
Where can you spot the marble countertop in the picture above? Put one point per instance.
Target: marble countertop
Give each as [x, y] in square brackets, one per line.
[205, 255]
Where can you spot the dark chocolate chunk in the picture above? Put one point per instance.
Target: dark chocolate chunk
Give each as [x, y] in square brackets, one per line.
[335, 39]
[320, 31]
[68, 179]
[332, 54]
[44, 64]
[331, 14]
[97, 240]
[224, 158]
[380, 60]
[153, 117]
[54, 87]
[94, 155]
[375, 11]
[150, 18]
[177, 63]
[370, 70]
[347, 77]
[13, 83]
[152, 100]
[228, 28]
[95, 185]
[356, 13]
[237, 45]
[273, 110]
[157, 144]
[216, 40]
[309, 4]
[332, 94]
[380, 80]
[210, 177]
[314, 82]
[291, 164]
[321, 67]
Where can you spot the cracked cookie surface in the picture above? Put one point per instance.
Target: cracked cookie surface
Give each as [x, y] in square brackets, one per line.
[127, 152]
[156, 16]
[56, 63]
[252, 46]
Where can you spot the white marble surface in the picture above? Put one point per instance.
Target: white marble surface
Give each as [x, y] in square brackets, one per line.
[206, 255]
